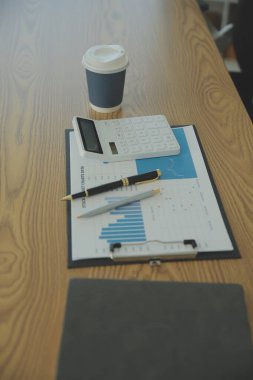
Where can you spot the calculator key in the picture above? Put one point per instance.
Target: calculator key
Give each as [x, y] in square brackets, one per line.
[124, 122]
[139, 126]
[154, 132]
[147, 148]
[115, 123]
[157, 139]
[159, 147]
[141, 133]
[164, 131]
[144, 140]
[135, 149]
[172, 146]
[129, 135]
[135, 120]
[132, 142]
[122, 142]
[166, 139]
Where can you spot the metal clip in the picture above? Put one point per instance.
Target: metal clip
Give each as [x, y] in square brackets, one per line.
[155, 263]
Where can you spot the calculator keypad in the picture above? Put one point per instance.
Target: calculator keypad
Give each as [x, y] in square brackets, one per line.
[137, 137]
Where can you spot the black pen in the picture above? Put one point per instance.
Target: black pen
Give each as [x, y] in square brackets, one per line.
[133, 180]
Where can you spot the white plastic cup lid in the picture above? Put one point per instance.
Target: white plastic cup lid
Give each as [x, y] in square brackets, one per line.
[105, 59]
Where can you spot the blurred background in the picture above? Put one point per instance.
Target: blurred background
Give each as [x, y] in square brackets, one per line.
[231, 25]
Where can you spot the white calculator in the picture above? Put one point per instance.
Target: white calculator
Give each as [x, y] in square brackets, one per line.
[125, 139]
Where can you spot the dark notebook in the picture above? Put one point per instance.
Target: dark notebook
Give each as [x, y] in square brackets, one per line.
[143, 330]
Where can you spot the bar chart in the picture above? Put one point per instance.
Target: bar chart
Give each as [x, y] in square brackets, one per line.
[128, 226]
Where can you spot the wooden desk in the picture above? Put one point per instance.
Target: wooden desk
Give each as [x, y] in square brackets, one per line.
[175, 70]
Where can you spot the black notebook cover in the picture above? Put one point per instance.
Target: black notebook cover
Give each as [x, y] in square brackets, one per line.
[140, 330]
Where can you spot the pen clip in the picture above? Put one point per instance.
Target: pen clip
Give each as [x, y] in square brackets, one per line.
[159, 173]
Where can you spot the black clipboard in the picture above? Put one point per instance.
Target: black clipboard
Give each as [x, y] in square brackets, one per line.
[233, 254]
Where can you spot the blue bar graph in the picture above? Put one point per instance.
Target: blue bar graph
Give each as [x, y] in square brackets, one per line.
[128, 228]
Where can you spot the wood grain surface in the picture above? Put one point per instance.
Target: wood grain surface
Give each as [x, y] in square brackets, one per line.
[175, 69]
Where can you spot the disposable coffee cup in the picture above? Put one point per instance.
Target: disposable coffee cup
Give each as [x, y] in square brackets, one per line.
[105, 67]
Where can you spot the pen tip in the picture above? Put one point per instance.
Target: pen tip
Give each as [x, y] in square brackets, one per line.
[66, 198]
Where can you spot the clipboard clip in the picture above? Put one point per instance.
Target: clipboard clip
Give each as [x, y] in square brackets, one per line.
[169, 250]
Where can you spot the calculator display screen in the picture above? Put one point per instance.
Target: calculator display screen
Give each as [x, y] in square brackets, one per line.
[89, 135]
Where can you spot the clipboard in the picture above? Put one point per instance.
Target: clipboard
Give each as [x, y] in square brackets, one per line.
[192, 251]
